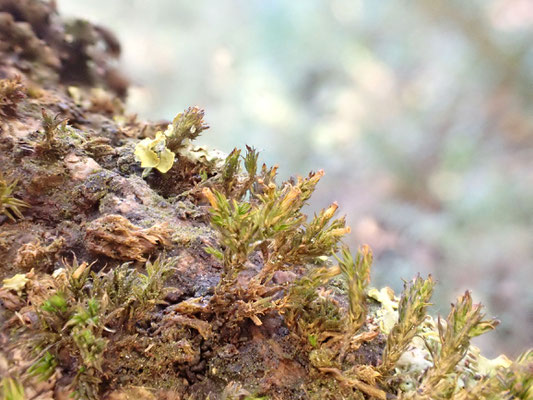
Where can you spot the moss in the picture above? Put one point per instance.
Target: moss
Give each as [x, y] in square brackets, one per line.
[35, 255]
[323, 388]
[78, 311]
[12, 389]
[154, 153]
[189, 236]
[11, 93]
[256, 305]
[154, 361]
[10, 206]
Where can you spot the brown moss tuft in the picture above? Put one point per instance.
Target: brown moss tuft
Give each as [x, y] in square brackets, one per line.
[35, 255]
[116, 237]
[11, 93]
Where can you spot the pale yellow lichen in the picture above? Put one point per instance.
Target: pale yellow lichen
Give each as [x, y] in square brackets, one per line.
[16, 283]
[387, 315]
[153, 153]
[487, 366]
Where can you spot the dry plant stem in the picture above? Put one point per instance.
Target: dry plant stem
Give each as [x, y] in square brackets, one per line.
[356, 383]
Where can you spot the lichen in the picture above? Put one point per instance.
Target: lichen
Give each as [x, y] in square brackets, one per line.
[15, 283]
[153, 153]
[160, 152]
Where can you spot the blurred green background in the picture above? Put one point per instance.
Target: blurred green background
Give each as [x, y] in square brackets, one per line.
[420, 112]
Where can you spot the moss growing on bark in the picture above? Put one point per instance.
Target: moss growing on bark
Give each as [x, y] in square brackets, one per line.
[200, 280]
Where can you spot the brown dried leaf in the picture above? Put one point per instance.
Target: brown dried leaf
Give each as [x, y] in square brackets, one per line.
[116, 237]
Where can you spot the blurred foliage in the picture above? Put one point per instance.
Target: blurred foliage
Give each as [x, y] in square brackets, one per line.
[419, 112]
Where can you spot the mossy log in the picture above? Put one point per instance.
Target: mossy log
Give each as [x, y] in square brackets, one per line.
[136, 264]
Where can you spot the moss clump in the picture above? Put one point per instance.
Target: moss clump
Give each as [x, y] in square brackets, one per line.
[81, 314]
[9, 205]
[11, 93]
[411, 314]
[116, 237]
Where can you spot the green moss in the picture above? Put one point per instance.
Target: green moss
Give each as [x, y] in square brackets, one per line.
[188, 236]
[84, 308]
[9, 205]
[411, 314]
[153, 361]
[12, 389]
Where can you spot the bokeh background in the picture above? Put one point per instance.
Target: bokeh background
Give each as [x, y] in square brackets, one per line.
[420, 111]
